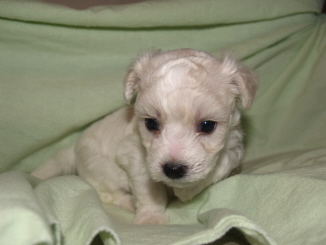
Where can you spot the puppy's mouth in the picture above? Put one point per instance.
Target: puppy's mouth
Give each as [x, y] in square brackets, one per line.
[178, 184]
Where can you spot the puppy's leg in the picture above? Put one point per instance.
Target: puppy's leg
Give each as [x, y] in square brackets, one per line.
[101, 172]
[151, 197]
[109, 188]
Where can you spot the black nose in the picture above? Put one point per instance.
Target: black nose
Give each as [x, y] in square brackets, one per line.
[174, 170]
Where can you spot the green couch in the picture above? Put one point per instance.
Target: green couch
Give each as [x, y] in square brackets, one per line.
[61, 68]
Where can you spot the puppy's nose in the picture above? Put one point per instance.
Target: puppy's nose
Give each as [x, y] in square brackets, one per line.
[174, 170]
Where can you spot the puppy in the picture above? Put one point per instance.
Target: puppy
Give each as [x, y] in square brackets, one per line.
[182, 133]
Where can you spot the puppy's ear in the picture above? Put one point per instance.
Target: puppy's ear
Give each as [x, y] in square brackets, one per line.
[136, 73]
[243, 80]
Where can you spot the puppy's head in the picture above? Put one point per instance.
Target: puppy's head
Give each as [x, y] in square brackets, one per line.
[186, 104]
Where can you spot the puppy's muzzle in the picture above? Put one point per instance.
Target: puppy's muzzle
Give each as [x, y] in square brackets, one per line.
[175, 170]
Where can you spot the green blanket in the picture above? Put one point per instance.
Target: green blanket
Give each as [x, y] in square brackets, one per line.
[61, 68]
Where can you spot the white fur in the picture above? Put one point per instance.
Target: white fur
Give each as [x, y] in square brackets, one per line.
[124, 161]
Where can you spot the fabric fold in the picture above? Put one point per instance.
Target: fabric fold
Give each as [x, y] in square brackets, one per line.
[77, 208]
[148, 14]
[23, 219]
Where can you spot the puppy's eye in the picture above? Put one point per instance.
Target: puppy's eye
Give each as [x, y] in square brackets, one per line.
[152, 124]
[207, 127]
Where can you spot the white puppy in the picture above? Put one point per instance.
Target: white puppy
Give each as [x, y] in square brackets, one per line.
[183, 133]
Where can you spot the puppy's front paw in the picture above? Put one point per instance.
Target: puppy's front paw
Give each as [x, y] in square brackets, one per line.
[150, 217]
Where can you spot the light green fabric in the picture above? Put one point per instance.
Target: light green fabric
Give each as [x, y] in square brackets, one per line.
[62, 66]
